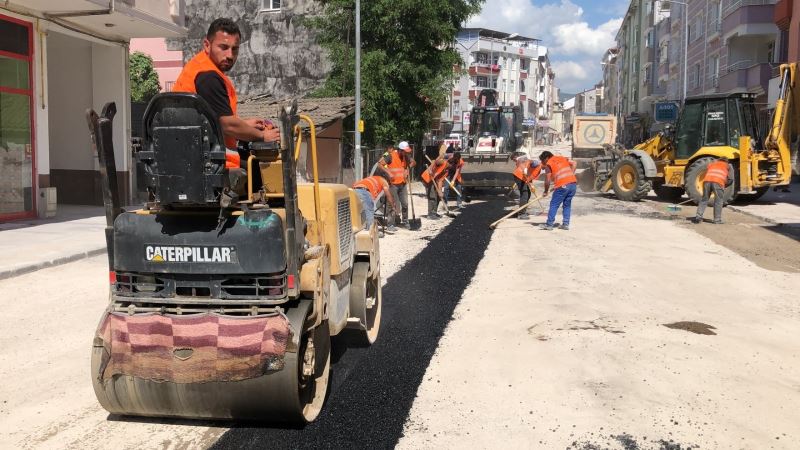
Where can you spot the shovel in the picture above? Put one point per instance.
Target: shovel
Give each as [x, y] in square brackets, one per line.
[497, 222]
[677, 207]
[453, 186]
[414, 223]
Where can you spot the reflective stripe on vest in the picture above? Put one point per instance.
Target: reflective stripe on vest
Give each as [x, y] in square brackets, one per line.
[186, 83]
[437, 172]
[397, 169]
[372, 184]
[561, 171]
[717, 172]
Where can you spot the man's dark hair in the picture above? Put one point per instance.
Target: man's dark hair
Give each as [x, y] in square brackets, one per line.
[222, 24]
[545, 155]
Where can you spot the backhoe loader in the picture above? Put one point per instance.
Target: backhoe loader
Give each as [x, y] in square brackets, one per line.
[675, 161]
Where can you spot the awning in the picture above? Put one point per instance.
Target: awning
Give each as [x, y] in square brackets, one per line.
[112, 19]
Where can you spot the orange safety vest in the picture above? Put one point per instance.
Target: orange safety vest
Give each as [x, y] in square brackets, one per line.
[561, 170]
[372, 184]
[438, 170]
[519, 172]
[460, 165]
[186, 83]
[717, 172]
[397, 168]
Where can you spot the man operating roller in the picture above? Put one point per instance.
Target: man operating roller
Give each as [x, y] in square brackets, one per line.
[204, 75]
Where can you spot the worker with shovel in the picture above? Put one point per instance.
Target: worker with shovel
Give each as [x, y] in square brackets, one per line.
[719, 175]
[526, 172]
[561, 172]
[432, 178]
[395, 164]
[453, 179]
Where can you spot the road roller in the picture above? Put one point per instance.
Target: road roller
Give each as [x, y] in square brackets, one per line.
[227, 284]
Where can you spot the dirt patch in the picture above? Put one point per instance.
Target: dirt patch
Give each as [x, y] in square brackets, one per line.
[693, 327]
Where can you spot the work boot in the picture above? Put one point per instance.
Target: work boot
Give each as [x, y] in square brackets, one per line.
[432, 217]
[696, 220]
[461, 207]
[718, 222]
[524, 216]
[564, 227]
[391, 229]
[546, 227]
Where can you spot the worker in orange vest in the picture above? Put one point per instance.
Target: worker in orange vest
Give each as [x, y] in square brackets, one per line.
[204, 75]
[368, 191]
[526, 172]
[455, 165]
[561, 172]
[719, 175]
[395, 164]
[432, 178]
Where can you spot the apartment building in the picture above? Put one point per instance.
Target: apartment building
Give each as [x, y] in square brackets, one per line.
[516, 66]
[611, 91]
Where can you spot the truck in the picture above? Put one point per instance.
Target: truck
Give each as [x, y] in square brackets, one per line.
[494, 140]
[590, 133]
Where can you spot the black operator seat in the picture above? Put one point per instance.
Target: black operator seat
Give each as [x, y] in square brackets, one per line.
[183, 152]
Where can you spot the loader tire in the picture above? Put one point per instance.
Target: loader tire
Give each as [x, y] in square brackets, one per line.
[667, 193]
[628, 180]
[694, 182]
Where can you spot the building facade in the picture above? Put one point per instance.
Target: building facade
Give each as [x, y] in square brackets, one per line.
[58, 58]
[516, 66]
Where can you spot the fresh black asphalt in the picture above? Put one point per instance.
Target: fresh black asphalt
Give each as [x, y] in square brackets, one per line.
[372, 389]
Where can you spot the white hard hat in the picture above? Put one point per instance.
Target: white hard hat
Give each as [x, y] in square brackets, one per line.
[403, 145]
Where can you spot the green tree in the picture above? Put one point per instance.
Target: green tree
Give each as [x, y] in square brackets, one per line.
[144, 78]
[407, 60]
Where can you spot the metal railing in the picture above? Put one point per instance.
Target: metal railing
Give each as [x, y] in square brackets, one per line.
[733, 5]
[739, 65]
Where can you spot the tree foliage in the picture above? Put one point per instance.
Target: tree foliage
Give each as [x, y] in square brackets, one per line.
[407, 60]
[144, 78]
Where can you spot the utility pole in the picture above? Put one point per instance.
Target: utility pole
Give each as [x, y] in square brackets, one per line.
[359, 163]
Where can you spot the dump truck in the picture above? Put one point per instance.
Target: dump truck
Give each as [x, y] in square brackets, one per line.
[674, 161]
[494, 139]
[225, 289]
[590, 134]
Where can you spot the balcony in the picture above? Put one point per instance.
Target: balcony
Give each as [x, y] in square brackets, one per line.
[128, 19]
[748, 18]
[483, 69]
[746, 77]
[783, 14]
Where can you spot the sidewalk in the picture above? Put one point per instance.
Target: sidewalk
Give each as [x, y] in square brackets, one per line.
[778, 208]
[77, 232]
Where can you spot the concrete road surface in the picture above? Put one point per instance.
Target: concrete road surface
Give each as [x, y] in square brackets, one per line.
[505, 339]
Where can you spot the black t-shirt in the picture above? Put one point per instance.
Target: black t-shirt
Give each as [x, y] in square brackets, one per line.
[211, 88]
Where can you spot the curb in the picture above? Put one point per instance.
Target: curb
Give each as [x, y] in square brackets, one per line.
[765, 219]
[51, 263]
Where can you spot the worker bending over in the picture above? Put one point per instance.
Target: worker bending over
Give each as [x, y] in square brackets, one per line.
[432, 178]
[526, 172]
[369, 190]
[454, 167]
[719, 175]
[395, 164]
[561, 172]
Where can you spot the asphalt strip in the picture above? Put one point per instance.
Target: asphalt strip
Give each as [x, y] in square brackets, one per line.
[372, 389]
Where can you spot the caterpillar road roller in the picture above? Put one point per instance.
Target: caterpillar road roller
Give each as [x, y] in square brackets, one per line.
[675, 161]
[224, 297]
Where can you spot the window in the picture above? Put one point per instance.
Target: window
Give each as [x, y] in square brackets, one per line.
[716, 129]
[694, 76]
[688, 130]
[522, 85]
[481, 82]
[713, 70]
[649, 39]
[456, 107]
[481, 58]
[271, 5]
[168, 86]
[648, 74]
[715, 16]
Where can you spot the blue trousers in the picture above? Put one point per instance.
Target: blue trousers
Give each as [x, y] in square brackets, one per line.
[367, 205]
[562, 196]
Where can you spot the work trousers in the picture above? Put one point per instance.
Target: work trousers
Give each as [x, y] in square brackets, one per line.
[524, 194]
[562, 196]
[447, 192]
[719, 196]
[433, 198]
[400, 193]
[367, 205]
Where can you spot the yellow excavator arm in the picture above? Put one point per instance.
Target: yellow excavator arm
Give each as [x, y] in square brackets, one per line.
[786, 121]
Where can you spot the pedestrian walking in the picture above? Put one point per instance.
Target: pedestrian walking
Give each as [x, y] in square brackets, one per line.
[395, 164]
[369, 190]
[455, 165]
[561, 172]
[526, 172]
[432, 178]
[719, 175]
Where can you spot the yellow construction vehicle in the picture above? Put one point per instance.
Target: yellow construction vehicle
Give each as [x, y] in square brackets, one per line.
[223, 297]
[675, 161]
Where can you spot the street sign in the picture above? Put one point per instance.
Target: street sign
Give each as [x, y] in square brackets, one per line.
[529, 122]
[666, 112]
